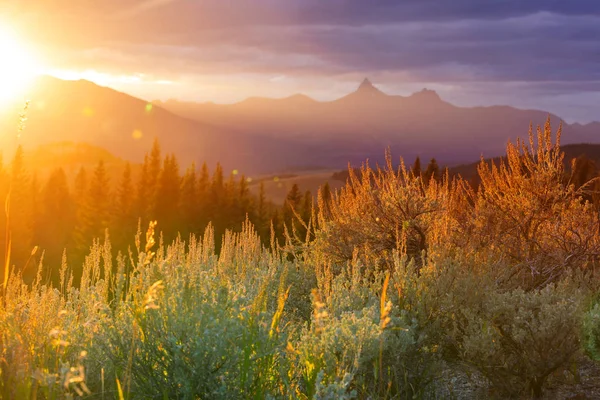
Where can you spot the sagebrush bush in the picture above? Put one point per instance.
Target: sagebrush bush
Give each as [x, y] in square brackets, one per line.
[364, 337]
[517, 339]
[591, 332]
[536, 225]
[381, 211]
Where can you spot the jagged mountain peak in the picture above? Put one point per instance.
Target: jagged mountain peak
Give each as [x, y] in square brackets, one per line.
[367, 88]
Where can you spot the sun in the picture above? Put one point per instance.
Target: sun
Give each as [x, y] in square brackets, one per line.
[18, 66]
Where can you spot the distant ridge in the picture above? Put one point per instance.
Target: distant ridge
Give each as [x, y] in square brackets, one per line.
[263, 135]
[82, 111]
[427, 95]
[363, 123]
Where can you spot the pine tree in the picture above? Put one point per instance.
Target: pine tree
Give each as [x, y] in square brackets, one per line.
[245, 200]
[276, 227]
[56, 220]
[324, 201]
[292, 208]
[294, 197]
[189, 201]
[154, 170]
[93, 215]
[80, 195]
[143, 194]
[167, 198]
[20, 212]
[81, 184]
[204, 197]
[261, 221]
[230, 212]
[217, 184]
[125, 221]
[244, 204]
[432, 171]
[96, 216]
[416, 168]
[217, 201]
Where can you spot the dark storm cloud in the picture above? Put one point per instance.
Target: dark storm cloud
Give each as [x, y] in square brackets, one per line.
[357, 12]
[540, 47]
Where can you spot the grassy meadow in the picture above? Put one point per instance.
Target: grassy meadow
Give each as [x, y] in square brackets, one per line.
[398, 287]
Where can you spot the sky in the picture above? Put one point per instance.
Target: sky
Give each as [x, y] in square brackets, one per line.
[542, 54]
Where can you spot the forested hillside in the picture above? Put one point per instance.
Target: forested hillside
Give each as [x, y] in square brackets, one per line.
[62, 197]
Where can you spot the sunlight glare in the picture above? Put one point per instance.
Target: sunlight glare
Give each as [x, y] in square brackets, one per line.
[17, 68]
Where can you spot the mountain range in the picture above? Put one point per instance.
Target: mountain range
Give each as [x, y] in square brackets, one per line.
[363, 123]
[261, 135]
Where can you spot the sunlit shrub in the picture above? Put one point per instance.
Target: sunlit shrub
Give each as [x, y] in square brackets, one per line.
[44, 334]
[536, 227]
[514, 338]
[381, 211]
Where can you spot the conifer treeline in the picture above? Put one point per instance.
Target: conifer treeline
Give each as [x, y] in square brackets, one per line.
[59, 216]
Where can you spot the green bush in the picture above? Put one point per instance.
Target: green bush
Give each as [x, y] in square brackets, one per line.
[363, 341]
[517, 339]
[591, 332]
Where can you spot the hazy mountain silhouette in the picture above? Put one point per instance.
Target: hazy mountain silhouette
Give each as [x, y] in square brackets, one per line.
[81, 111]
[361, 124]
[269, 135]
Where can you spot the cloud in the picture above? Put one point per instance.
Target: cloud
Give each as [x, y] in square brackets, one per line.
[142, 7]
[536, 47]
[540, 47]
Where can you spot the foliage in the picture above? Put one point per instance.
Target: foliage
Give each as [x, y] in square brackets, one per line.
[499, 274]
[397, 278]
[517, 339]
[528, 220]
[381, 211]
[60, 212]
[365, 339]
[591, 332]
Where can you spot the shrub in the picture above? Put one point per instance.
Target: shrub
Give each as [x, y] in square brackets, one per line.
[362, 343]
[514, 338]
[381, 211]
[517, 339]
[193, 326]
[525, 217]
[591, 332]
[44, 334]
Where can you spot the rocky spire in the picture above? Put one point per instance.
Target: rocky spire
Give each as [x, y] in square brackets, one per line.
[366, 87]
